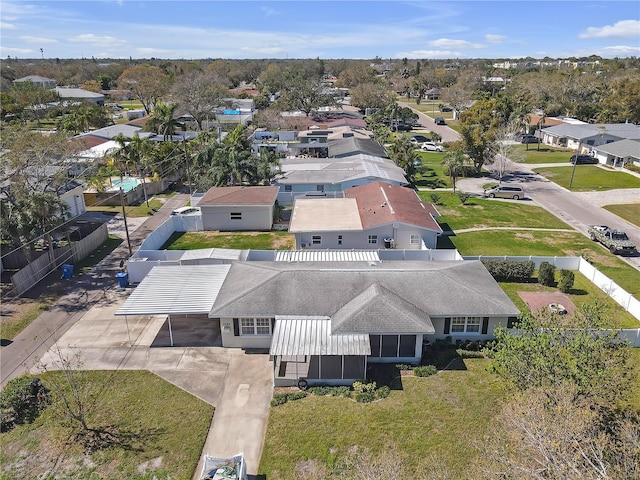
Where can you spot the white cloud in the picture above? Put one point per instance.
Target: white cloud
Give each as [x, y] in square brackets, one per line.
[493, 38]
[21, 51]
[153, 52]
[38, 40]
[7, 26]
[621, 29]
[98, 41]
[262, 50]
[620, 51]
[268, 11]
[418, 54]
[450, 43]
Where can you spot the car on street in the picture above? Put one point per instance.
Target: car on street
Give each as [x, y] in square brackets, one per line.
[440, 121]
[418, 139]
[185, 211]
[431, 147]
[529, 139]
[505, 191]
[583, 159]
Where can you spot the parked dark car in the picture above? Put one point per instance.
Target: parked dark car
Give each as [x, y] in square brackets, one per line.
[440, 121]
[446, 109]
[583, 159]
[418, 139]
[530, 139]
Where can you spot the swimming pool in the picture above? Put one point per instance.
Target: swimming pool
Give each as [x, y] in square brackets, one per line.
[127, 183]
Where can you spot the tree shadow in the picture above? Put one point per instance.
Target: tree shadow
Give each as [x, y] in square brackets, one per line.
[114, 436]
[385, 374]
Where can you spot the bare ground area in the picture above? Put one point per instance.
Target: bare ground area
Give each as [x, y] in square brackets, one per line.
[539, 300]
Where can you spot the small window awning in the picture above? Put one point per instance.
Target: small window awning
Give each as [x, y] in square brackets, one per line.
[176, 290]
[300, 335]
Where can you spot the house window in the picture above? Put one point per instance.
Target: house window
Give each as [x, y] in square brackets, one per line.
[415, 239]
[373, 239]
[392, 345]
[339, 239]
[235, 215]
[466, 324]
[287, 188]
[255, 326]
[320, 188]
[316, 240]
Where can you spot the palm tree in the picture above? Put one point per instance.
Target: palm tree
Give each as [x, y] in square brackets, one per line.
[162, 120]
[454, 165]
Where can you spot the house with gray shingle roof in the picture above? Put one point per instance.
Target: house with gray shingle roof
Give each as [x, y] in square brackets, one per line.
[618, 154]
[584, 138]
[79, 94]
[324, 322]
[372, 216]
[39, 81]
[331, 176]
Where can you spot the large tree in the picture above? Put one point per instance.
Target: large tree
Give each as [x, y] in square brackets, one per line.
[163, 120]
[147, 84]
[198, 94]
[404, 155]
[478, 131]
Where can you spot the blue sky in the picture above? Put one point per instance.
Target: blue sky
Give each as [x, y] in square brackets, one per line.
[182, 29]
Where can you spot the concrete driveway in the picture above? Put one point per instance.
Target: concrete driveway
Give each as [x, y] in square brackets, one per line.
[238, 384]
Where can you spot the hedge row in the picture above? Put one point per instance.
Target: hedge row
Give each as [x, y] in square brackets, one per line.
[510, 270]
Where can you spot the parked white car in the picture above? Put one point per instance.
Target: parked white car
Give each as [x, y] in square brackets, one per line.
[432, 147]
[185, 211]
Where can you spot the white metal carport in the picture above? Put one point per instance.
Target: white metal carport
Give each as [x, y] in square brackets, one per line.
[175, 290]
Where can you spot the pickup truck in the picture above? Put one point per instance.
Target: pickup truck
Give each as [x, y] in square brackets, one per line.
[615, 240]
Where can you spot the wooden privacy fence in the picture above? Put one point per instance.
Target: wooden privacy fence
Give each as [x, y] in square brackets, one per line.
[30, 275]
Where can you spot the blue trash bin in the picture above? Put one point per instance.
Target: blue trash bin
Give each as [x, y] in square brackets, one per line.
[67, 271]
[123, 279]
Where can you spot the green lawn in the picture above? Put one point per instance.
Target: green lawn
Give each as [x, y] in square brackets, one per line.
[583, 291]
[529, 242]
[546, 154]
[629, 211]
[589, 178]
[132, 210]
[443, 415]
[234, 240]
[431, 173]
[159, 431]
[480, 213]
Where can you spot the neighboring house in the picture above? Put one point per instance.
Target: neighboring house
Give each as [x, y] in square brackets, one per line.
[324, 322]
[79, 94]
[375, 215]
[584, 137]
[85, 163]
[109, 133]
[620, 153]
[43, 82]
[331, 176]
[345, 147]
[72, 194]
[238, 208]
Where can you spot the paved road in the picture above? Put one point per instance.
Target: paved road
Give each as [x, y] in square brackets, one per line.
[81, 294]
[578, 209]
[448, 134]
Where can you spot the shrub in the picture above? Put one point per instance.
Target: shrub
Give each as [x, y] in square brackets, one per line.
[383, 392]
[341, 391]
[365, 397]
[22, 400]
[469, 353]
[282, 398]
[403, 366]
[547, 274]
[510, 270]
[425, 371]
[364, 386]
[435, 198]
[566, 281]
[464, 196]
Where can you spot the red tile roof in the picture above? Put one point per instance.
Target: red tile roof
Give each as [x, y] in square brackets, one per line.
[380, 203]
[241, 195]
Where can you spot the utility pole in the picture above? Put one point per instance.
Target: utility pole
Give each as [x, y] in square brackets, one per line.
[186, 161]
[124, 216]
